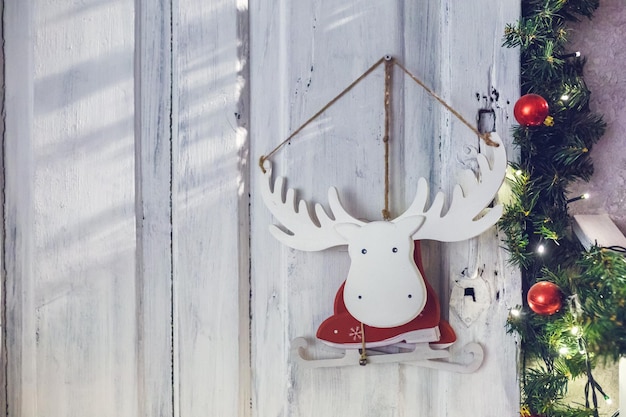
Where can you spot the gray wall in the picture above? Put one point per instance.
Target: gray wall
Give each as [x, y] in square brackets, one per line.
[602, 41]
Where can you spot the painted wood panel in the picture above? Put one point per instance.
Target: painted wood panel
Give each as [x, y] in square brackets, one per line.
[73, 302]
[154, 277]
[210, 208]
[132, 132]
[302, 56]
[18, 213]
[127, 254]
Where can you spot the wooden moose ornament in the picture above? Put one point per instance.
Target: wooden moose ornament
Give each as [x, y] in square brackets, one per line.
[385, 299]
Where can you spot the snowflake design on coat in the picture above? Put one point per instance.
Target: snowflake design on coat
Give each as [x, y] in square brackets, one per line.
[355, 333]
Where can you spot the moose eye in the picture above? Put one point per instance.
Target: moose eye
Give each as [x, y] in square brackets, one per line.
[394, 250]
[363, 251]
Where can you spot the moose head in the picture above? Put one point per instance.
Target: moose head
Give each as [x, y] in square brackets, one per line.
[384, 287]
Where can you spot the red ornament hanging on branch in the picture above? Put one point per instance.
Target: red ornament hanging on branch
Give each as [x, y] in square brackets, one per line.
[544, 298]
[531, 110]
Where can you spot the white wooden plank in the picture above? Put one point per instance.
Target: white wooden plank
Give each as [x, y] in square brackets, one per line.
[444, 263]
[18, 211]
[154, 213]
[75, 333]
[210, 209]
[293, 291]
[295, 299]
[475, 66]
[268, 304]
[420, 151]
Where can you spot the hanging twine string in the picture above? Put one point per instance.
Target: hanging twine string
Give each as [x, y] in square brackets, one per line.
[388, 73]
[316, 115]
[389, 62]
[484, 136]
[363, 358]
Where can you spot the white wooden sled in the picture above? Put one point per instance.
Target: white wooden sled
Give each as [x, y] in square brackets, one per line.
[409, 354]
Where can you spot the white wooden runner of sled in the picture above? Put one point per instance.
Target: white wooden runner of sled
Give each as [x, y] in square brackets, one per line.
[421, 355]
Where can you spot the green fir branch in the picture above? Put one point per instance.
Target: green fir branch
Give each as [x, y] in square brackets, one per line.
[590, 324]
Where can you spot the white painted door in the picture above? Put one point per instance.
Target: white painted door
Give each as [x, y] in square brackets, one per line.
[139, 278]
[126, 237]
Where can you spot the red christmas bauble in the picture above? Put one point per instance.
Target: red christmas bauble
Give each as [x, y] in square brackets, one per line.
[531, 110]
[544, 298]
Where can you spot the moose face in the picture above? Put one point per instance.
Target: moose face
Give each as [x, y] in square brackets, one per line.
[384, 288]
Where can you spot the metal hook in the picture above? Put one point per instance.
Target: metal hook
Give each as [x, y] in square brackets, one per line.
[486, 120]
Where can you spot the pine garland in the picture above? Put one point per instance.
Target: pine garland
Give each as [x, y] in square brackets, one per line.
[589, 327]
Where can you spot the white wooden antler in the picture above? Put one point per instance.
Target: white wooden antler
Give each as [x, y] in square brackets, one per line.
[465, 217]
[304, 232]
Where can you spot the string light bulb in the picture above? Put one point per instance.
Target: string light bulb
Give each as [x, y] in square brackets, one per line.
[583, 196]
[541, 249]
[514, 312]
[572, 55]
[575, 330]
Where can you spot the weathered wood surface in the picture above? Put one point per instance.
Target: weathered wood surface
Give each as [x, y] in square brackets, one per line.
[126, 254]
[154, 146]
[210, 209]
[128, 236]
[71, 168]
[302, 55]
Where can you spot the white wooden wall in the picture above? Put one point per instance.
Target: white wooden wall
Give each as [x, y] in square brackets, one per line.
[139, 276]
